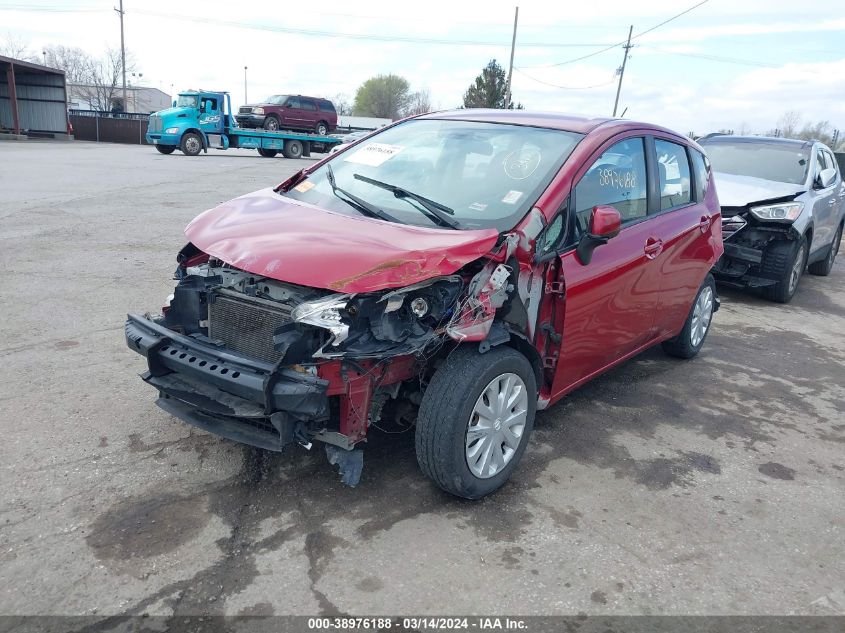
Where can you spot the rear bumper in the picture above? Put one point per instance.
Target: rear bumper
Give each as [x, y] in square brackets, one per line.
[250, 120]
[233, 396]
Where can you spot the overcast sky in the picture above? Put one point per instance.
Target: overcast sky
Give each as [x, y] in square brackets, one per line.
[725, 64]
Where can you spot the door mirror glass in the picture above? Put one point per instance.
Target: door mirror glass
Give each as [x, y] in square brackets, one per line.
[826, 178]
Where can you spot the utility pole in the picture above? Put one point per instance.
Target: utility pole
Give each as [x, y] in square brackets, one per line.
[510, 68]
[246, 99]
[622, 70]
[122, 56]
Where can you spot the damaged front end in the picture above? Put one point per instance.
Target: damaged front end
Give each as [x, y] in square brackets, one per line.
[749, 233]
[270, 363]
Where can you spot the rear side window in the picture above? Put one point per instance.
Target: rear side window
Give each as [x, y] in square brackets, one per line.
[674, 173]
[307, 104]
[701, 174]
[831, 161]
[326, 105]
[616, 179]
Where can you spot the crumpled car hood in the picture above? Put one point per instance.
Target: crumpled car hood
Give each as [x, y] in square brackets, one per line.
[738, 191]
[267, 234]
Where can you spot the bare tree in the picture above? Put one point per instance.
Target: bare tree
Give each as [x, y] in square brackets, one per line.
[788, 124]
[96, 81]
[419, 102]
[13, 46]
[342, 104]
[819, 131]
[76, 63]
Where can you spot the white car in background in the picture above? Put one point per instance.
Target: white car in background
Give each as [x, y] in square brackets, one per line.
[350, 138]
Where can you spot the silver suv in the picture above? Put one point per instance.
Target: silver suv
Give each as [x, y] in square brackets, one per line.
[783, 203]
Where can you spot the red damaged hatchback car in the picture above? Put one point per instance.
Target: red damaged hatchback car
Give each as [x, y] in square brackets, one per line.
[458, 269]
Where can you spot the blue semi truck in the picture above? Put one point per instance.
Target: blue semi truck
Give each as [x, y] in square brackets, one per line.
[201, 120]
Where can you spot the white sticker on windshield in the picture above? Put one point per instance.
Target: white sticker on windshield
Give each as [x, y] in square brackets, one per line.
[478, 206]
[374, 154]
[511, 197]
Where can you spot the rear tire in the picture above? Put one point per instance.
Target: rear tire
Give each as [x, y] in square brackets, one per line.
[824, 267]
[271, 124]
[191, 144]
[267, 153]
[166, 149]
[293, 149]
[479, 409]
[691, 339]
[322, 129]
[789, 258]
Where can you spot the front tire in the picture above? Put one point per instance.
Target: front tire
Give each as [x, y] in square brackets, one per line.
[691, 339]
[267, 153]
[191, 144]
[824, 267]
[165, 149]
[475, 420]
[790, 259]
[271, 124]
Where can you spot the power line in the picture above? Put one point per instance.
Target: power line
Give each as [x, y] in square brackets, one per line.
[354, 36]
[522, 72]
[674, 17]
[713, 58]
[622, 43]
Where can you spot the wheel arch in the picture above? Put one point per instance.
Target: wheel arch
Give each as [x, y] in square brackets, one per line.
[195, 131]
[521, 344]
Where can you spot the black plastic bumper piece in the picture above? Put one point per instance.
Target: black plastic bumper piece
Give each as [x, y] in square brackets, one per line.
[240, 398]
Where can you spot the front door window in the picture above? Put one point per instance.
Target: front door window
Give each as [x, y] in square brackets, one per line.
[616, 179]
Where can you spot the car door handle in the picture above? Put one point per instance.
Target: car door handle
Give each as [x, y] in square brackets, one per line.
[653, 247]
[704, 223]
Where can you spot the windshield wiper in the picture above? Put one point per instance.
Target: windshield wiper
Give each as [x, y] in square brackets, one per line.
[433, 210]
[354, 201]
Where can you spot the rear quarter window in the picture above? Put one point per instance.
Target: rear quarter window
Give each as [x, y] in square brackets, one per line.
[700, 173]
[673, 170]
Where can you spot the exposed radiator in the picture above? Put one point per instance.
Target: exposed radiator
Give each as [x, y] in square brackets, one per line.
[246, 324]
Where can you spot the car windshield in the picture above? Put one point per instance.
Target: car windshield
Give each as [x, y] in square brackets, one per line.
[781, 162]
[186, 101]
[486, 174]
[276, 99]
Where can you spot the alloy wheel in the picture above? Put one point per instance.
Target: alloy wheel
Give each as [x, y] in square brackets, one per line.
[701, 315]
[834, 247]
[496, 425]
[797, 269]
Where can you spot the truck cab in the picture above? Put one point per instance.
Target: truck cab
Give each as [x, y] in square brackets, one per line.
[197, 120]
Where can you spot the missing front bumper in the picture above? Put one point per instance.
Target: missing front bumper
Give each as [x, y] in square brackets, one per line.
[245, 400]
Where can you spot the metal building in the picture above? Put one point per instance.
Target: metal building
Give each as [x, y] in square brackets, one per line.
[33, 98]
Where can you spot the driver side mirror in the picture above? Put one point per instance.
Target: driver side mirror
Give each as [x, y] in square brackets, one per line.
[605, 223]
[826, 178]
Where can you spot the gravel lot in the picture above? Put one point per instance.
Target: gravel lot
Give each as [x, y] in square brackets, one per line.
[711, 486]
